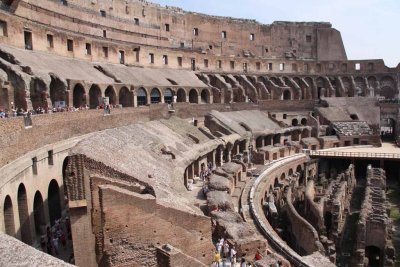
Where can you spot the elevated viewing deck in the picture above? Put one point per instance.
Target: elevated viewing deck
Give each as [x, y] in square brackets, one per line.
[387, 151]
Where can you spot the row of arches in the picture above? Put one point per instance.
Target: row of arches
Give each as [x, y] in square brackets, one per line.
[41, 208]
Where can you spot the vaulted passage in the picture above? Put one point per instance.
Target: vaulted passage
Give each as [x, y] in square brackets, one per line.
[125, 97]
[54, 201]
[79, 96]
[168, 96]
[205, 96]
[193, 96]
[141, 97]
[58, 94]
[9, 217]
[181, 95]
[38, 94]
[94, 96]
[155, 96]
[38, 214]
[112, 97]
[25, 227]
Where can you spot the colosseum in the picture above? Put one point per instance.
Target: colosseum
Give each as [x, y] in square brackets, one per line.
[134, 134]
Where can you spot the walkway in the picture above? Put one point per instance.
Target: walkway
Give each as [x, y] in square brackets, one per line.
[386, 151]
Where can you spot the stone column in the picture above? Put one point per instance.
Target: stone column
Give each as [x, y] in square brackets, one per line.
[135, 104]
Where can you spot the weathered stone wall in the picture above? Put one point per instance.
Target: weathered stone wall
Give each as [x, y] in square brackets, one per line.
[134, 224]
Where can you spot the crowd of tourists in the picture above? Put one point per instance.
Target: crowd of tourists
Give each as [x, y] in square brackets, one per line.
[57, 238]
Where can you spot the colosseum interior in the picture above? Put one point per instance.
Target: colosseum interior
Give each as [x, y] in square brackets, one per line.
[142, 135]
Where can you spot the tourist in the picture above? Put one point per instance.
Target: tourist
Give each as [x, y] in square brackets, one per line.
[258, 256]
[243, 263]
[54, 243]
[226, 249]
[232, 256]
[63, 240]
[217, 258]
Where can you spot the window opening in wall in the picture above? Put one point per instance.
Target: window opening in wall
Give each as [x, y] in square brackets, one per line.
[121, 56]
[151, 58]
[103, 13]
[232, 63]
[50, 43]
[284, 116]
[258, 65]
[165, 59]
[269, 66]
[370, 66]
[88, 49]
[266, 50]
[196, 31]
[318, 68]
[105, 51]
[357, 66]
[308, 38]
[34, 166]
[166, 27]
[70, 45]
[28, 40]
[136, 20]
[245, 67]
[137, 52]
[205, 63]
[294, 67]
[252, 37]
[282, 66]
[182, 45]
[344, 67]
[331, 66]
[50, 157]
[210, 47]
[3, 28]
[219, 64]
[193, 64]
[223, 35]
[104, 33]
[180, 61]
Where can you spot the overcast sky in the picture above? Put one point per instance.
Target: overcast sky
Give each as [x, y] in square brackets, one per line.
[370, 28]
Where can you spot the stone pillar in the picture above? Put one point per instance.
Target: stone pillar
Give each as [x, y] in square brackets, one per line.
[213, 158]
[211, 99]
[221, 155]
[199, 99]
[187, 98]
[135, 104]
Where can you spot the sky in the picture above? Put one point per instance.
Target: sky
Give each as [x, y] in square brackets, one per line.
[370, 28]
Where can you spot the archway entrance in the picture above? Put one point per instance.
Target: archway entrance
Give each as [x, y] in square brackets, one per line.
[374, 256]
[79, 96]
[25, 226]
[38, 214]
[9, 217]
[181, 95]
[193, 96]
[295, 122]
[112, 96]
[141, 97]
[125, 97]
[38, 94]
[4, 99]
[94, 96]
[155, 96]
[168, 96]
[54, 201]
[205, 96]
[287, 95]
[388, 129]
[388, 92]
[58, 94]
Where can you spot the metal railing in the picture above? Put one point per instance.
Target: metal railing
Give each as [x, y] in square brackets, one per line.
[341, 154]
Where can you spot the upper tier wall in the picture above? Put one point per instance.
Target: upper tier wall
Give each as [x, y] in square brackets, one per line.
[137, 23]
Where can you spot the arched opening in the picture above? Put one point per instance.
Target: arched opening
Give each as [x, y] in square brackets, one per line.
[287, 95]
[25, 226]
[388, 129]
[38, 214]
[181, 95]
[276, 182]
[259, 141]
[54, 201]
[328, 223]
[155, 96]
[303, 122]
[79, 96]
[64, 175]
[125, 97]
[141, 97]
[388, 92]
[283, 176]
[8, 212]
[205, 96]
[4, 99]
[168, 96]
[290, 172]
[58, 93]
[374, 256]
[277, 139]
[295, 122]
[305, 133]
[193, 96]
[112, 96]
[94, 96]
[38, 94]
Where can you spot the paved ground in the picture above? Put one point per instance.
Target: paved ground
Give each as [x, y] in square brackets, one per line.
[385, 148]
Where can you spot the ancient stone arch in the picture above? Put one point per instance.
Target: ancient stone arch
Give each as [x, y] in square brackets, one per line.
[193, 96]
[8, 213]
[125, 97]
[112, 96]
[79, 96]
